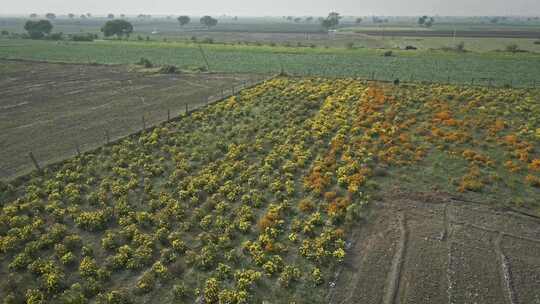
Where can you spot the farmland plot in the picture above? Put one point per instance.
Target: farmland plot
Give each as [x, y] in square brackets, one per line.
[49, 109]
[286, 192]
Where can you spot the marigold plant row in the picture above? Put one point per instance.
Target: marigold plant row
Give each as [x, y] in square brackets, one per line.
[253, 198]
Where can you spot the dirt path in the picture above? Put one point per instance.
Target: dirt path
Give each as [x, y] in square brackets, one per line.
[439, 250]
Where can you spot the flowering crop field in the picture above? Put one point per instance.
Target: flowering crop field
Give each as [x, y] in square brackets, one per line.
[255, 198]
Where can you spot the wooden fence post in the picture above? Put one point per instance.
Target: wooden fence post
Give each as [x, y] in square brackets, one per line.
[232, 90]
[36, 164]
[187, 109]
[168, 115]
[77, 149]
[143, 123]
[107, 137]
[472, 81]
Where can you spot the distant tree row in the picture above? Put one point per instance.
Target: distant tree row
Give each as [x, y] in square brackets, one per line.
[52, 16]
[207, 21]
[42, 28]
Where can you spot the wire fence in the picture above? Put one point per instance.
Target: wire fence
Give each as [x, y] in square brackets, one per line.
[439, 78]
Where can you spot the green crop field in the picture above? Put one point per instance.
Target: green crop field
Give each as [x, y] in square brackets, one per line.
[505, 68]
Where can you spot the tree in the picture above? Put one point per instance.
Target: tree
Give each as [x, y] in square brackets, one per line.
[376, 19]
[426, 21]
[38, 29]
[331, 21]
[88, 15]
[209, 21]
[83, 16]
[359, 20]
[183, 20]
[297, 20]
[50, 16]
[71, 16]
[429, 22]
[117, 27]
[33, 15]
[309, 19]
[110, 16]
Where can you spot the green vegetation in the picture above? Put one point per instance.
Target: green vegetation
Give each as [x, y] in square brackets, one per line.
[118, 28]
[208, 21]
[183, 20]
[38, 29]
[255, 198]
[503, 68]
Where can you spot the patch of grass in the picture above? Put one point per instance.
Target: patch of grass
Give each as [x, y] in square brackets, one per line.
[419, 65]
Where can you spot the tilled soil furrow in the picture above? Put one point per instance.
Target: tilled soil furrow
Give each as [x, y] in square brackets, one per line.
[507, 280]
[447, 256]
[523, 266]
[364, 279]
[392, 287]
[423, 275]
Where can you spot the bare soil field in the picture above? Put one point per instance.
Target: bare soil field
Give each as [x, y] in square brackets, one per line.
[432, 248]
[50, 109]
[468, 33]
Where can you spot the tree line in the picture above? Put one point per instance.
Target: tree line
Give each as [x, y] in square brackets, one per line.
[121, 27]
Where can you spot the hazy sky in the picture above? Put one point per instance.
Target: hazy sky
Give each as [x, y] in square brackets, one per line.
[276, 7]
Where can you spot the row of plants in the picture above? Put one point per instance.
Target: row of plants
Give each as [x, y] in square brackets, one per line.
[255, 198]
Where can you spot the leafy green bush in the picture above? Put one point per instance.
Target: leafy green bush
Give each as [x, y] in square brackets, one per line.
[86, 37]
[145, 62]
[93, 220]
[88, 268]
[56, 36]
[179, 291]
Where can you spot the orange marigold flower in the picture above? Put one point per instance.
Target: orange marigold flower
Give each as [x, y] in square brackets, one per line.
[535, 165]
[510, 139]
[512, 166]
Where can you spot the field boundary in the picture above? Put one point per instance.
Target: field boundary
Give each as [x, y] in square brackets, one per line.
[485, 82]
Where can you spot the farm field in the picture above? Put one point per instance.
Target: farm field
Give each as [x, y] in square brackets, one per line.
[278, 31]
[460, 34]
[431, 248]
[306, 190]
[49, 109]
[520, 69]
